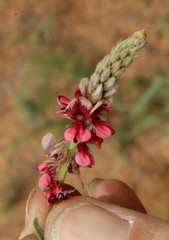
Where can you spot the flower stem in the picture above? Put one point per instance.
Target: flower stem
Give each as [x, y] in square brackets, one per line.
[64, 168]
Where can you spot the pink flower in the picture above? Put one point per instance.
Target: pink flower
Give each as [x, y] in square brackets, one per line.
[45, 180]
[62, 100]
[87, 126]
[47, 166]
[103, 129]
[77, 133]
[51, 188]
[53, 193]
[84, 158]
[78, 110]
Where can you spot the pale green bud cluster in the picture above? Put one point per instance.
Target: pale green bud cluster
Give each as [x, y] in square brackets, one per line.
[103, 83]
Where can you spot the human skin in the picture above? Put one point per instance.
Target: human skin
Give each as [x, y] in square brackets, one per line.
[111, 211]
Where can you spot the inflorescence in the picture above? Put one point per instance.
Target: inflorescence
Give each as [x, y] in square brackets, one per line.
[88, 112]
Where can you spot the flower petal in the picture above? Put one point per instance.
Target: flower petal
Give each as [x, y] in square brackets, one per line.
[51, 197]
[72, 109]
[56, 188]
[85, 106]
[82, 134]
[49, 194]
[43, 166]
[70, 133]
[96, 140]
[96, 106]
[62, 100]
[83, 86]
[77, 92]
[48, 143]
[82, 159]
[61, 111]
[45, 180]
[104, 129]
[91, 161]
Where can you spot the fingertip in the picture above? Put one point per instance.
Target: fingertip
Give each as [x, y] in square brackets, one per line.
[116, 192]
[36, 206]
[100, 187]
[91, 186]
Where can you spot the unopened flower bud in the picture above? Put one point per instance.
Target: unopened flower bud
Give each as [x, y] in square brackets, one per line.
[114, 65]
[94, 81]
[105, 75]
[97, 94]
[109, 83]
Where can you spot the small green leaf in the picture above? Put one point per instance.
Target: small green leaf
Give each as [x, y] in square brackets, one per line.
[38, 229]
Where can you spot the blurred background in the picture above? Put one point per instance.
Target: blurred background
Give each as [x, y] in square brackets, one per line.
[46, 47]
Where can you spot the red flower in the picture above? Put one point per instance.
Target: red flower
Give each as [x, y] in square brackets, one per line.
[45, 180]
[53, 193]
[47, 166]
[87, 126]
[51, 188]
[62, 100]
[78, 110]
[103, 129]
[84, 158]
[77, 133]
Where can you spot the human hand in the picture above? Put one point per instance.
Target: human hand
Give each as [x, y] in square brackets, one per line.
[112, 211]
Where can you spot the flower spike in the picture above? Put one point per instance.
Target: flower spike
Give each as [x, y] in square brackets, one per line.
[89, 125]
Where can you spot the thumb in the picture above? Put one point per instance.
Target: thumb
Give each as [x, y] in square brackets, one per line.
[87, 218]
[37, 206]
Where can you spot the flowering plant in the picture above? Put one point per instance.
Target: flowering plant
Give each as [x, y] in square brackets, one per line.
[88, 112]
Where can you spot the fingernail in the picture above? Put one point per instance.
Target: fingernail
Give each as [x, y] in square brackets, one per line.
[86, 222]
[93, 184]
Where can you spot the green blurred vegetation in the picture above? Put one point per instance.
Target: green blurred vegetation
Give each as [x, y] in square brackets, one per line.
[148, 108]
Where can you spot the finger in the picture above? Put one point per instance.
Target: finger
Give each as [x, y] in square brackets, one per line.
[37, 206]
[87, 218]
[116, 192]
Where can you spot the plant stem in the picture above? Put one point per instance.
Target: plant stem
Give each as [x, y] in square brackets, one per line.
[64, 168]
